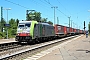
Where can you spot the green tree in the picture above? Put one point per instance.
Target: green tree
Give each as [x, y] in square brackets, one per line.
[2, 22]
[44, 20]
[49, 22]
[37, 16]
[34, 16]
[17, 21]
[13, 28]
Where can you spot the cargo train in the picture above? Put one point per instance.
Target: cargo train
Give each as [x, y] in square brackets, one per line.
[33, 31]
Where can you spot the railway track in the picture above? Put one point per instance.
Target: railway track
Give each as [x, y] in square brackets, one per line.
[19, 52]
[7, 46]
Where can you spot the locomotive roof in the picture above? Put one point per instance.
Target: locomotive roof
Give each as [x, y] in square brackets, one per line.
[45, 23]
[31, 21]
[25, 21]
[59, 25]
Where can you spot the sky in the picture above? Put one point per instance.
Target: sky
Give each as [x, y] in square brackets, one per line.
[77, 10]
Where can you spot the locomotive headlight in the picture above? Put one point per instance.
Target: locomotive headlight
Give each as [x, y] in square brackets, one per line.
[28, 34]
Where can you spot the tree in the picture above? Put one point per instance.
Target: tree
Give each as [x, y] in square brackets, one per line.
[34, 16]
[49, 22]
[17, 21]
[2, 23]
[44, 20]
[13, 27]
[37, 16]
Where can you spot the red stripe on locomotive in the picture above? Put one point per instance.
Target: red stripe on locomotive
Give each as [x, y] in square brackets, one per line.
[23, 34]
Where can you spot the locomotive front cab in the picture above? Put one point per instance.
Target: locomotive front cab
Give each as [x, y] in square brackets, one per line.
[23, 31]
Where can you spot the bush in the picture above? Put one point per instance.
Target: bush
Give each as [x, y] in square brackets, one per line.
[2, 35]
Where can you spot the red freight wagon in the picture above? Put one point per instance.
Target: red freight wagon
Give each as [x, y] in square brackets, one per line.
[74, 30]
[80, 31]
[60, 30]
[68, 30]
[65, 30]
[71, 30]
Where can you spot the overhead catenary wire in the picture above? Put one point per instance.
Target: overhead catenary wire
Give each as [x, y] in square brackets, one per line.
[17, 4]
[46, 7]
[20, 5]
[63, 6]
[57, 9]
[45, 3]
[48, 2]
[29, 8]
[62, 13]
[42, 6]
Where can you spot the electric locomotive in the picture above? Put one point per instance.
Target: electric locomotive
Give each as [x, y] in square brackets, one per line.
[32, 31]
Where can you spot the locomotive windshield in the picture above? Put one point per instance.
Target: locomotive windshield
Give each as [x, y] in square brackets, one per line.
[27, 25]
[24, 25]
[21, 26]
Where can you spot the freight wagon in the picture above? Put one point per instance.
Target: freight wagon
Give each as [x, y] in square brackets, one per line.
[60, 30]
[72, 31]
